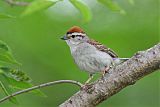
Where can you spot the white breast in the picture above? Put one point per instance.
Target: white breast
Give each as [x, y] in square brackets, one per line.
[88, 58]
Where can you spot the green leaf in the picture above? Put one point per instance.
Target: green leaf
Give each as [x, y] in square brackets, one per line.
[5, 16]
[18, 80]
[22, 85]
[38, 5]
[15, 73]
[131, 2]
[7, 59]
[4, 47]
[83, 8]
[11, 76]
[1, 72]
[6, 54]
[112, 5]
[6, 89]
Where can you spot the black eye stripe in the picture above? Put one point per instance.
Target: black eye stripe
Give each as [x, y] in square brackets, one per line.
[76, 36]
[79, 35]
[73, 36]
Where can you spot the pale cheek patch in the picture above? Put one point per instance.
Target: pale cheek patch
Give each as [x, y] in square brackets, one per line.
[79, 38]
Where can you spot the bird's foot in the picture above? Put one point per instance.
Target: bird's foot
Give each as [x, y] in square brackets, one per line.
[106, 70]
[86, 87]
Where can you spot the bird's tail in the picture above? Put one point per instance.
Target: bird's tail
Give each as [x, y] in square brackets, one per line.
[118, 61]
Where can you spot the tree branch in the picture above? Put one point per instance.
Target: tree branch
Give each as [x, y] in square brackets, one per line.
[40, 86]
[17, 3]
[119, 77]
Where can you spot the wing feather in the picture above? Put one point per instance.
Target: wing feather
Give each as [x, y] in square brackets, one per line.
[102, 48]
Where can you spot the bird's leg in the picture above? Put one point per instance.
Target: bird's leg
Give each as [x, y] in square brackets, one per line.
[89, 79]
[86, 85]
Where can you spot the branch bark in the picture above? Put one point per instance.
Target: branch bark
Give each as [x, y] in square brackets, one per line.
[17, 3]
[119, 77]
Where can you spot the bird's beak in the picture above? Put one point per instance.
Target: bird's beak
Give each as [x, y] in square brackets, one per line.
[64, 37]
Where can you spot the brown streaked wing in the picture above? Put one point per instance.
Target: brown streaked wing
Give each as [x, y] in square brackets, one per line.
[102, 48]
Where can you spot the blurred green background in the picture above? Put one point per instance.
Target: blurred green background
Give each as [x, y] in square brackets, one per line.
[35, 42]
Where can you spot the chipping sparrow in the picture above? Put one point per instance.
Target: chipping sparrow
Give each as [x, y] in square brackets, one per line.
[88, 54]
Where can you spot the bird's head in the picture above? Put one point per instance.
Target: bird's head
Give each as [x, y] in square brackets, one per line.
[74, 36]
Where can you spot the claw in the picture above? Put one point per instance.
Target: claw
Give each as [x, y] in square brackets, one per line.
[86, 87]
[106, 70]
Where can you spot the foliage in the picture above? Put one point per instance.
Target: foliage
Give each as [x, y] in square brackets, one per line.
[84, 9]
[11, 76]
[39, 5]
[112, 5]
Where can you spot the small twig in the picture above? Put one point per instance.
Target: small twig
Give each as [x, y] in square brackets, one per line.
[17, 3]
[40, 86]
[3, 88]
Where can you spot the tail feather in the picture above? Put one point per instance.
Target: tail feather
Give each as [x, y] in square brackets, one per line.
[118, 61]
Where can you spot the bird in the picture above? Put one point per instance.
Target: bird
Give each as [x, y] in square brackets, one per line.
[90, 55]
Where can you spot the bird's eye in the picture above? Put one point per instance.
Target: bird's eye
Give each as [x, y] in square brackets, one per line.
[73, 36]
